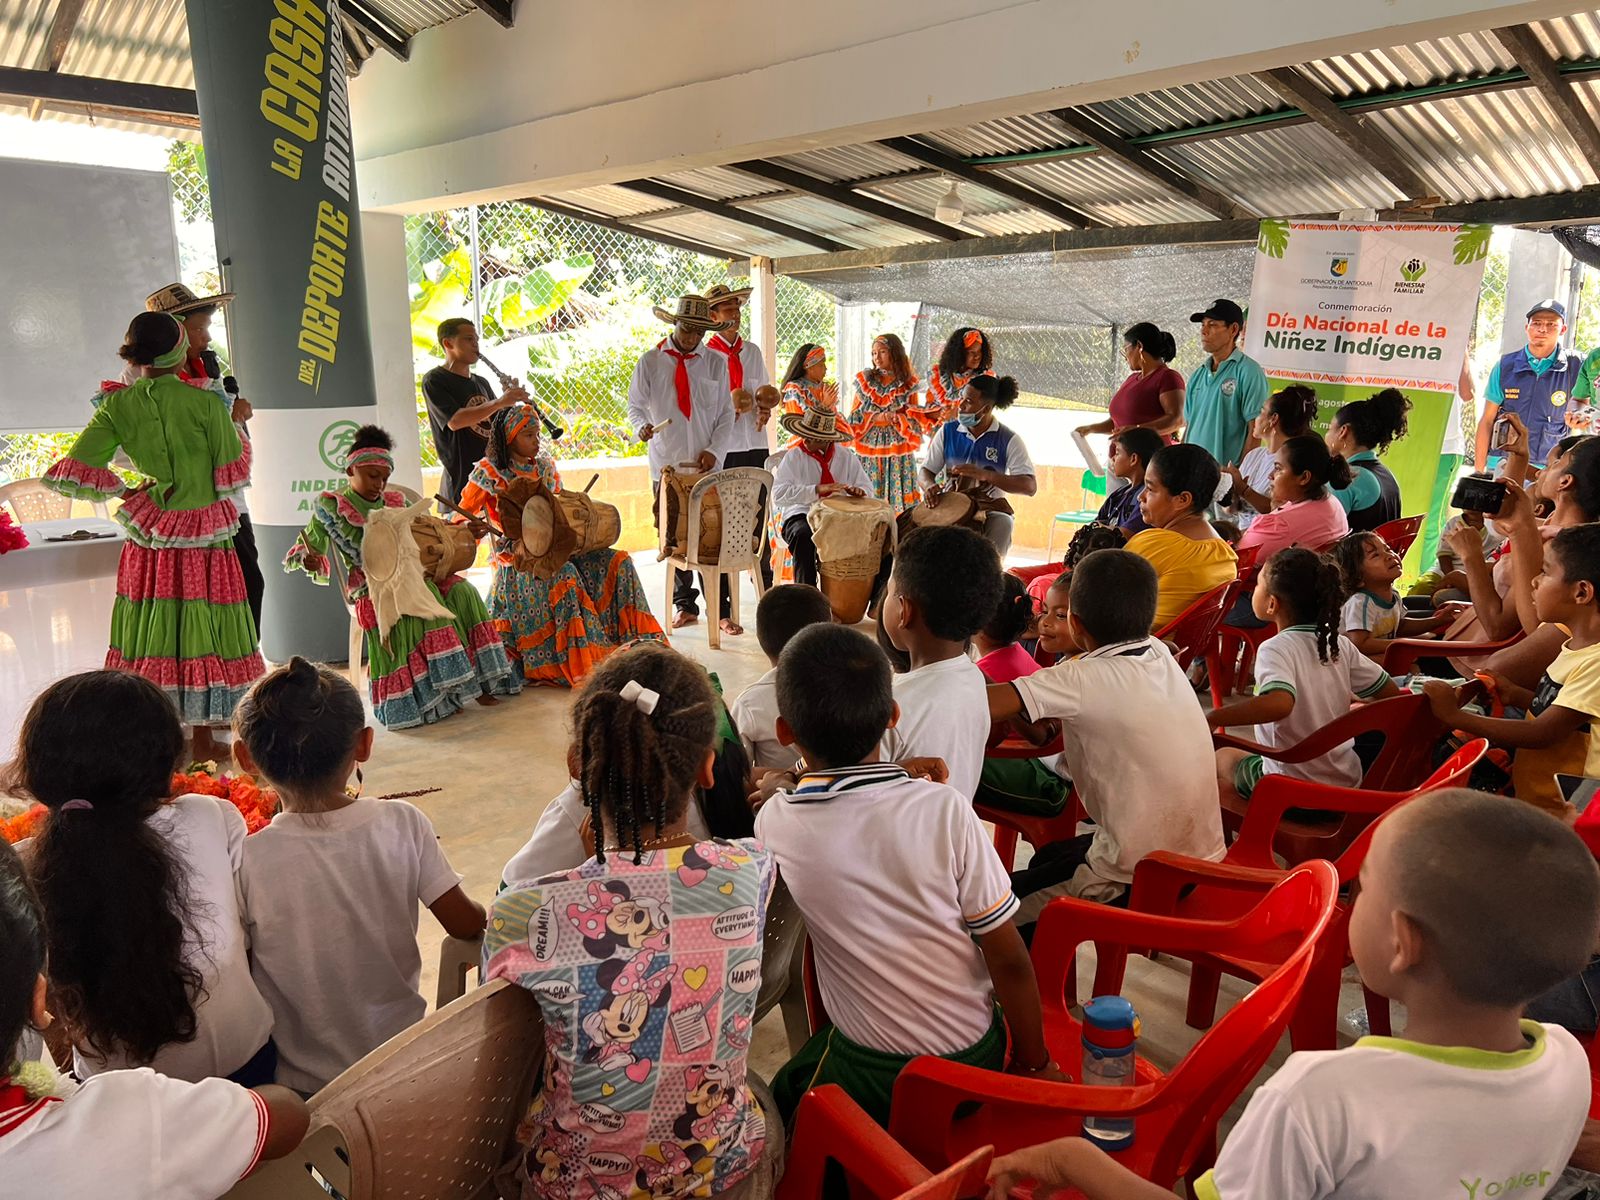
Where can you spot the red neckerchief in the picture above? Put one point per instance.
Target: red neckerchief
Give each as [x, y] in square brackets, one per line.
[822, 460]
[681, 378]
[735, 364]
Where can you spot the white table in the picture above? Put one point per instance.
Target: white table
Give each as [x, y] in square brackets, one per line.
[55, 612]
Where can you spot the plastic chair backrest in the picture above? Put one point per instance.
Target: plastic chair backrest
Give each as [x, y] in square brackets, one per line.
[1400, 533]
[1408, 726]
[1094, 485]
[431, 1112]
[1195, 629]
[29, 500]
[1276, 794]
[781, 938]
[291, 1177]
[746, 495]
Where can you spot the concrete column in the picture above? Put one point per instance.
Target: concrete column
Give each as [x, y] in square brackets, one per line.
[383, 237]
[275, 117]
[1536, 271]
[764, 326]
[852, 348]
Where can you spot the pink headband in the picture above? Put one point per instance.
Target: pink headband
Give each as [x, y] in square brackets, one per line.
[817, 355]
[369, 456]
[973, 339]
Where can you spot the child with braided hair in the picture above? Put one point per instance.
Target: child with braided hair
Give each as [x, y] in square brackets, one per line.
[558, 628]
[1306, 674]
[645, 960]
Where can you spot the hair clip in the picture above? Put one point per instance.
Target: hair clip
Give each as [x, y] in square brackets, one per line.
[640, 696]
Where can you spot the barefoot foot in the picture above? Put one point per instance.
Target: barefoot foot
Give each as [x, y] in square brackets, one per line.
[684, 617]
[487, 700]
[731, 627]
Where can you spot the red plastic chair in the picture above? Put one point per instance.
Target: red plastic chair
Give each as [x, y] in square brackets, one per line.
[1178, 1112]
[1175, 885]
[1401, 655]
[1410, 733]
[1194, 630]
[830, 1127]
[1400, 533]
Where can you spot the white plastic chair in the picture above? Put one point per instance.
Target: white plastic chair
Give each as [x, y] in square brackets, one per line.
[746, 497]
[29, 500]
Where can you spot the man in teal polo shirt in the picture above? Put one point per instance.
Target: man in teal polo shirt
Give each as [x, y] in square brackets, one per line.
[1227, 391]
[1536, 382]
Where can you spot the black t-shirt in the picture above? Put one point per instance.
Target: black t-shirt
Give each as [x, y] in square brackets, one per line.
[459, 449]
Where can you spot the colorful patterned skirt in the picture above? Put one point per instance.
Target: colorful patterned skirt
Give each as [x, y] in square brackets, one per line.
[429, 669]
[561, 628]
[894, 478]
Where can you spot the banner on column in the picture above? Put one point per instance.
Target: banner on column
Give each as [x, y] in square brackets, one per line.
[1351, 309]
[308, 445]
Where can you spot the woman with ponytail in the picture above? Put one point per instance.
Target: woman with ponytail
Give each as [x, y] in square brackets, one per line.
[146, 956]
[1287, 414]
[979, 456]
[557, 628]
[1361, 431]
[646, 958]
[1152, 396]
[1304, 511]
[182, 615]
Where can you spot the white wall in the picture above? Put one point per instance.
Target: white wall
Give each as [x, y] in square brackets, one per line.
[605, 90]
[383, 249]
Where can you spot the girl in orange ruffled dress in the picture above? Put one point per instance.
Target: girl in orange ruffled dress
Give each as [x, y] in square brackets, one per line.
[887, 423]
[966, 354]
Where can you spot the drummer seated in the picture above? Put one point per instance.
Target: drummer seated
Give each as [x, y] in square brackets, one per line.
[813, 468]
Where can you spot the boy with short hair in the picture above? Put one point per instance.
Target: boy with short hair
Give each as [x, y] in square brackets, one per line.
[1555, 734]
[907, 905]
[945, 584]
[1134, 740]
[1131, 451]
[1470, 905]
[783, 612]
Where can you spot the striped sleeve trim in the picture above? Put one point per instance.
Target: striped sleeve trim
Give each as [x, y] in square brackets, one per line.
[263, 1126]
[1370, 692]
[1275, 685]
[994, 916]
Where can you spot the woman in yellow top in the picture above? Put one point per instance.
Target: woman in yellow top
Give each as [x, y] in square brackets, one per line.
[1189, 557]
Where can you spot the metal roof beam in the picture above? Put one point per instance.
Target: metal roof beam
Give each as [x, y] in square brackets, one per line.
[1357, 135]
[379, 30]
[845, 198]
[958, 168]
[1581, 207]
[1084, 125]
[616, 226]
[1529, 53]
[56, 42]
[718, 208]
[98, 93]
[499, 10]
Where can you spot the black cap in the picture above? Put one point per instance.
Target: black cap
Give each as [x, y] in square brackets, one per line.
[1552, 306]
[1225, 311]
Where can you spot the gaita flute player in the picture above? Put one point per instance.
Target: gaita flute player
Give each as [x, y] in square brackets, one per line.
[460, 401]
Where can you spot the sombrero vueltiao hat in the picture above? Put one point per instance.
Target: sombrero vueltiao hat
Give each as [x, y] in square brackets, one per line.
[692, 310]
[721, 293]
[180, 301]
[814, 425]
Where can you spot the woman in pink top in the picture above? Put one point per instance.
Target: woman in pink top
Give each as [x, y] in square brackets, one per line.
[1304, 513]
[1153, 395]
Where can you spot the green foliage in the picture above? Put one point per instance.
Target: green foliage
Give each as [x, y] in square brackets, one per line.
[1472, 243]
[1274, 238]
[186, 167]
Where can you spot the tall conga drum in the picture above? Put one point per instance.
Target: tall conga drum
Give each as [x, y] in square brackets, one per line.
[851, 534]
[672, 517]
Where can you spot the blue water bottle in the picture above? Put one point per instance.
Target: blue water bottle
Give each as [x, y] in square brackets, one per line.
[1110, 1033]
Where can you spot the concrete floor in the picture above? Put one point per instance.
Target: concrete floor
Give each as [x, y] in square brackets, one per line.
[498, 767]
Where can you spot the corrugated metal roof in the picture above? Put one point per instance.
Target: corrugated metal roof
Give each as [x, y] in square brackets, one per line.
[1010, 135]
[1192, 104]
[830, 220]
[1285, 172]
[740, 240]
[718, 183]
[846, 164]
[609, 200]
[1107, 189]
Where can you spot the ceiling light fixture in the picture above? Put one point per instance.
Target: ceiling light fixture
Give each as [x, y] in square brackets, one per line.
[950, 210]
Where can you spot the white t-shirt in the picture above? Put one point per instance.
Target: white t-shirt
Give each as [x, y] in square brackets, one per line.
[232, 1021]
[1288, 662]
[653, 399]
[331, 909]
[1136, 744]
[746, 435]
[133, 1135]
[557, 841]
[944, 713]
[1256, 467]
[895, 877]
[755, 715]
[1366, 612]
[795, 482]
[1389, 1118]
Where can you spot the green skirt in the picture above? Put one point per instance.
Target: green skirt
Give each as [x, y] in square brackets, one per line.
[868, 1075]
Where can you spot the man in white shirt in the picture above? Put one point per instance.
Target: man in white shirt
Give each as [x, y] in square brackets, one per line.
[750, 388]
[679, 404]
[814, 467]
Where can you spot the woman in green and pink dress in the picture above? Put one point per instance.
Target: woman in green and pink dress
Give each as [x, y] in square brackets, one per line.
[181, 616]
[427, 668]
[887, 427]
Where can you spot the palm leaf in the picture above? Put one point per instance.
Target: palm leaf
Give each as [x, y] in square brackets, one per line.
[1472, 243]
[1274, 238]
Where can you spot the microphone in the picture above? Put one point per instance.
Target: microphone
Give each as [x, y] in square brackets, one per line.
[231, 386]
[213, 365]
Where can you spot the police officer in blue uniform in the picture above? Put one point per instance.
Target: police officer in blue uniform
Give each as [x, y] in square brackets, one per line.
[1536, 383]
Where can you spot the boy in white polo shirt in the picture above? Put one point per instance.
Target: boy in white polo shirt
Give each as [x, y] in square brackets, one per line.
[945, 585]
[1134, 738]
[783, 612]
[907, 905]
[1470, 906]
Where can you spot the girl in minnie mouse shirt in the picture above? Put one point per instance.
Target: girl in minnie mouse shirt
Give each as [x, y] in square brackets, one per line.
[646, 961]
